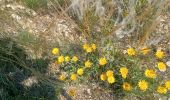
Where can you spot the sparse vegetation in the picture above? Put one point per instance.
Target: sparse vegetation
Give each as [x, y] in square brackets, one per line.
[108, 46]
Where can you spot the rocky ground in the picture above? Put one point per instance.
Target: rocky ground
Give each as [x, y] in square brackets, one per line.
[14, 17]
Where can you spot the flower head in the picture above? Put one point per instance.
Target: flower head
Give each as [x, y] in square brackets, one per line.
[67, 58]
[103, 77]
[159, 54]
[123, 71]
[73, 77]
[88, 64]
[61, 59]
[80, 71]
[62, 77]
[131, 52]
[126, 86]
[161, 66]
[167, 84]
[150, 73]
[89, 50]
[102, 61]
[143, 85]
[93, 47]
[75, 59]
[55, 51]
[161, 90]
[85, 46]
[71, 92]
[145, 50]
[111, 79]
[109, 73]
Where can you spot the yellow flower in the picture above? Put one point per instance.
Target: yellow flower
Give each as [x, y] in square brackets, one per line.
[131, 51]
[55, 51]
[72, 92]
[102, 61]
[145, 50]
[150, 73]
[67, 58]
[89, 50]
[161, 66]
[109, 73]
[62, 77]
[61, 59]
[88, 64]
[123, 71]
[103, 77]
[126, 86]
[167, 84]
[75, 58]
[80, 71]
[143, 85]
[161, 90]
[159, 54]
[93, 46]
[73, 77]
[111, 79]
[85, 46]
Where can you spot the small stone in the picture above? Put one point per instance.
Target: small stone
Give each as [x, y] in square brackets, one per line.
[168, 63]
[88, 91]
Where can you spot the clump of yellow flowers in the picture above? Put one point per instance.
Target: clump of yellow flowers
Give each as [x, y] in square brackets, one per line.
[111, 72]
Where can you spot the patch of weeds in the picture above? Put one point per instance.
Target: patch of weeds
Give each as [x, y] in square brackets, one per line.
[16, 68]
